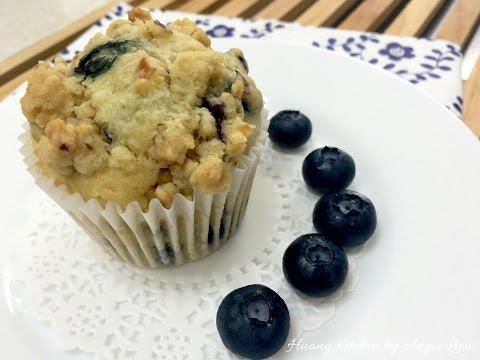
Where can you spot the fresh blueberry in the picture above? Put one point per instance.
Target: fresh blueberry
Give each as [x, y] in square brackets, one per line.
[328, 169]
[289, 129]
[253, 322]
[346, 217]
[315, 266]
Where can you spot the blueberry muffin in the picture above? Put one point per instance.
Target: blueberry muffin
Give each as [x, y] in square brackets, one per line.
[144, 114]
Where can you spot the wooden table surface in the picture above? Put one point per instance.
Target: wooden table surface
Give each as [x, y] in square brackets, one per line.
[453, 20]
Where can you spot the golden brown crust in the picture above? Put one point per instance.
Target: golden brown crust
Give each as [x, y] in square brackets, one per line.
[145, 111]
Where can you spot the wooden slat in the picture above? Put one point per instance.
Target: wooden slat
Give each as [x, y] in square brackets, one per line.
[325, 12]
[234, 7]
[160, 4]
[471, 100]
[52, 44]
[278, 9]
[415, 17]
[196, 6]
[461, 22]
[370, 14]
[241, 7]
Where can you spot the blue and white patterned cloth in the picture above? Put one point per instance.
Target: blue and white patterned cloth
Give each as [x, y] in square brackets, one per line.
[433, 66]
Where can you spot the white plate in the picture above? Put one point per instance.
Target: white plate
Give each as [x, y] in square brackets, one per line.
[418, 292]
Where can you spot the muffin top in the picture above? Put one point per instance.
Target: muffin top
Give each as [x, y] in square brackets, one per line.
[144, 111]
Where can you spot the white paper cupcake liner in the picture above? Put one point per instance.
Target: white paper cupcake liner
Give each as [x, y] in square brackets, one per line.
[160, 237]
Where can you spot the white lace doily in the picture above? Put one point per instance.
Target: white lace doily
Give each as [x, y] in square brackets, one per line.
[114, 311]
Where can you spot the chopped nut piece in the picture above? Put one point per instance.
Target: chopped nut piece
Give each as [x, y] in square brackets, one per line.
[139, 14]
